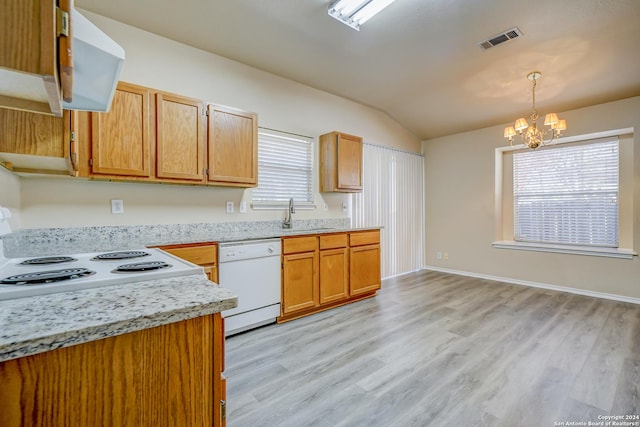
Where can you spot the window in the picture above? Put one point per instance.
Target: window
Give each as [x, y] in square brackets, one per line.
[285, 170]
[567, 195]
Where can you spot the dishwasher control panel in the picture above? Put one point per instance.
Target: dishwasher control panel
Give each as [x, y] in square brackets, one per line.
[236, 251]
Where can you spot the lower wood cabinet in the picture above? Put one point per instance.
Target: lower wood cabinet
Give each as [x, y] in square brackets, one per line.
[364, 262]
[170, 375]
[334, 268]
[300, 282]
[325, 271]
[364, 268]
[202, 254]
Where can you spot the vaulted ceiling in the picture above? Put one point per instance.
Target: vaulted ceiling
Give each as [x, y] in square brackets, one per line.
[419, 60]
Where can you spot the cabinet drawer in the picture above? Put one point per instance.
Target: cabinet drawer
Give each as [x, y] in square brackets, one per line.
[364, 238]
[201, 255]
[333, 241]
[299, 244]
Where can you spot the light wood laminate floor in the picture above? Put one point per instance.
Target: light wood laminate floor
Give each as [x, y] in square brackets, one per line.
[435, 349]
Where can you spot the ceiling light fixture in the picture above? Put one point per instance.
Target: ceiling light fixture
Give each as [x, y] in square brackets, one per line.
[356, 12]
[531, 135]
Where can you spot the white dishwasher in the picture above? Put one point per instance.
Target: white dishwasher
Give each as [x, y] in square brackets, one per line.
[251, 270]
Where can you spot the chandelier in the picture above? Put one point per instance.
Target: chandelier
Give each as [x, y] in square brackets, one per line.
[531, 135]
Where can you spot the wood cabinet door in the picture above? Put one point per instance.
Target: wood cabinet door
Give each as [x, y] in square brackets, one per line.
[364, 269]
[334, 275]
[232, 146]
[167, 375]
[28, 134]
[349, 162]
[180, 138]
[299, 282]
[121, 139]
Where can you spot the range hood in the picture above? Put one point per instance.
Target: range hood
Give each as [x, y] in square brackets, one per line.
[97, 61]
[33, 82]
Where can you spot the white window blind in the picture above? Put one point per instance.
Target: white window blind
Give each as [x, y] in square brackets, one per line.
[567, 195]
[285, 167]
[392, 197]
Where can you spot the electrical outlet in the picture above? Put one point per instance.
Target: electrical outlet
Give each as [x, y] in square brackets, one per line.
[438, 255]
[117, 207]
[229, 207]
[243, 207]
[345, 207]
[326, 207]
[445, 255]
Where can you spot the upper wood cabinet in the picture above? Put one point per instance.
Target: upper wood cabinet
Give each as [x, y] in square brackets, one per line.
[154, 136]
[232, 146]
[147, 135]
[38, 143]
[181, 138]
[29, 77]
[120, 140]
[340, 163]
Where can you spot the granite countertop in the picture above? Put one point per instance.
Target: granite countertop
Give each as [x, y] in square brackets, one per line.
[60, 241]
[37, 324]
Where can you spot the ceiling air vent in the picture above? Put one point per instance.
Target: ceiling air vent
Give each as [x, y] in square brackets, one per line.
[504, 36]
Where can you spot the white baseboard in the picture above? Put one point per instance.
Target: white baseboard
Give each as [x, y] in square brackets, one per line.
[538, 285]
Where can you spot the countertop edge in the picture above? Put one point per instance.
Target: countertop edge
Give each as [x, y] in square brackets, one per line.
[204, 302]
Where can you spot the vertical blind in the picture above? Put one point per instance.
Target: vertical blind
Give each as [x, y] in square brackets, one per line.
[567, 195]
[285, 168]
[392, 197]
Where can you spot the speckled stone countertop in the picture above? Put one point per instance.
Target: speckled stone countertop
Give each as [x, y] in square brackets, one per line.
[60, 241]
[37, 324]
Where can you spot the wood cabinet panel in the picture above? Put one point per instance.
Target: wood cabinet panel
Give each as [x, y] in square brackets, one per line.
[364, 238]
[364, 269]
[333, 241]
[232, 146]
[299, 244]
[349, 174]
[180, 138]
[205, 255]
[31, 133]
[201, 255]
[334, 275]
[159, 376]
[340, 163]
[121, 138]
[300, 282]
[24, 135]
[28, 47]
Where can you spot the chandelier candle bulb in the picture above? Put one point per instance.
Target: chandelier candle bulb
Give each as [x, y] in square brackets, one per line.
[534, 137]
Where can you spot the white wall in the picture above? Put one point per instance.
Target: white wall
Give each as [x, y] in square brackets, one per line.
[10, 196]
[163, 64]
[459, 179]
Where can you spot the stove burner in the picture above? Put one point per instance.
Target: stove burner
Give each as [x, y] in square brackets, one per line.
[119, 255]
[47, 260]
[141, 267]
[47, 276]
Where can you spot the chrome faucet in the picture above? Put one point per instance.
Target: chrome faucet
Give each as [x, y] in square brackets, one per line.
[287, 218]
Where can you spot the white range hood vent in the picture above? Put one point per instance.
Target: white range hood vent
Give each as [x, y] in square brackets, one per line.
[97, 61]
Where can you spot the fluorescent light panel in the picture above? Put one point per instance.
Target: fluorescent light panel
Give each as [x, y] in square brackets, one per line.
[356, 12]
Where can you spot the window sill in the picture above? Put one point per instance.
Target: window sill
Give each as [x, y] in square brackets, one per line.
[278, 206]
[566, 249]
